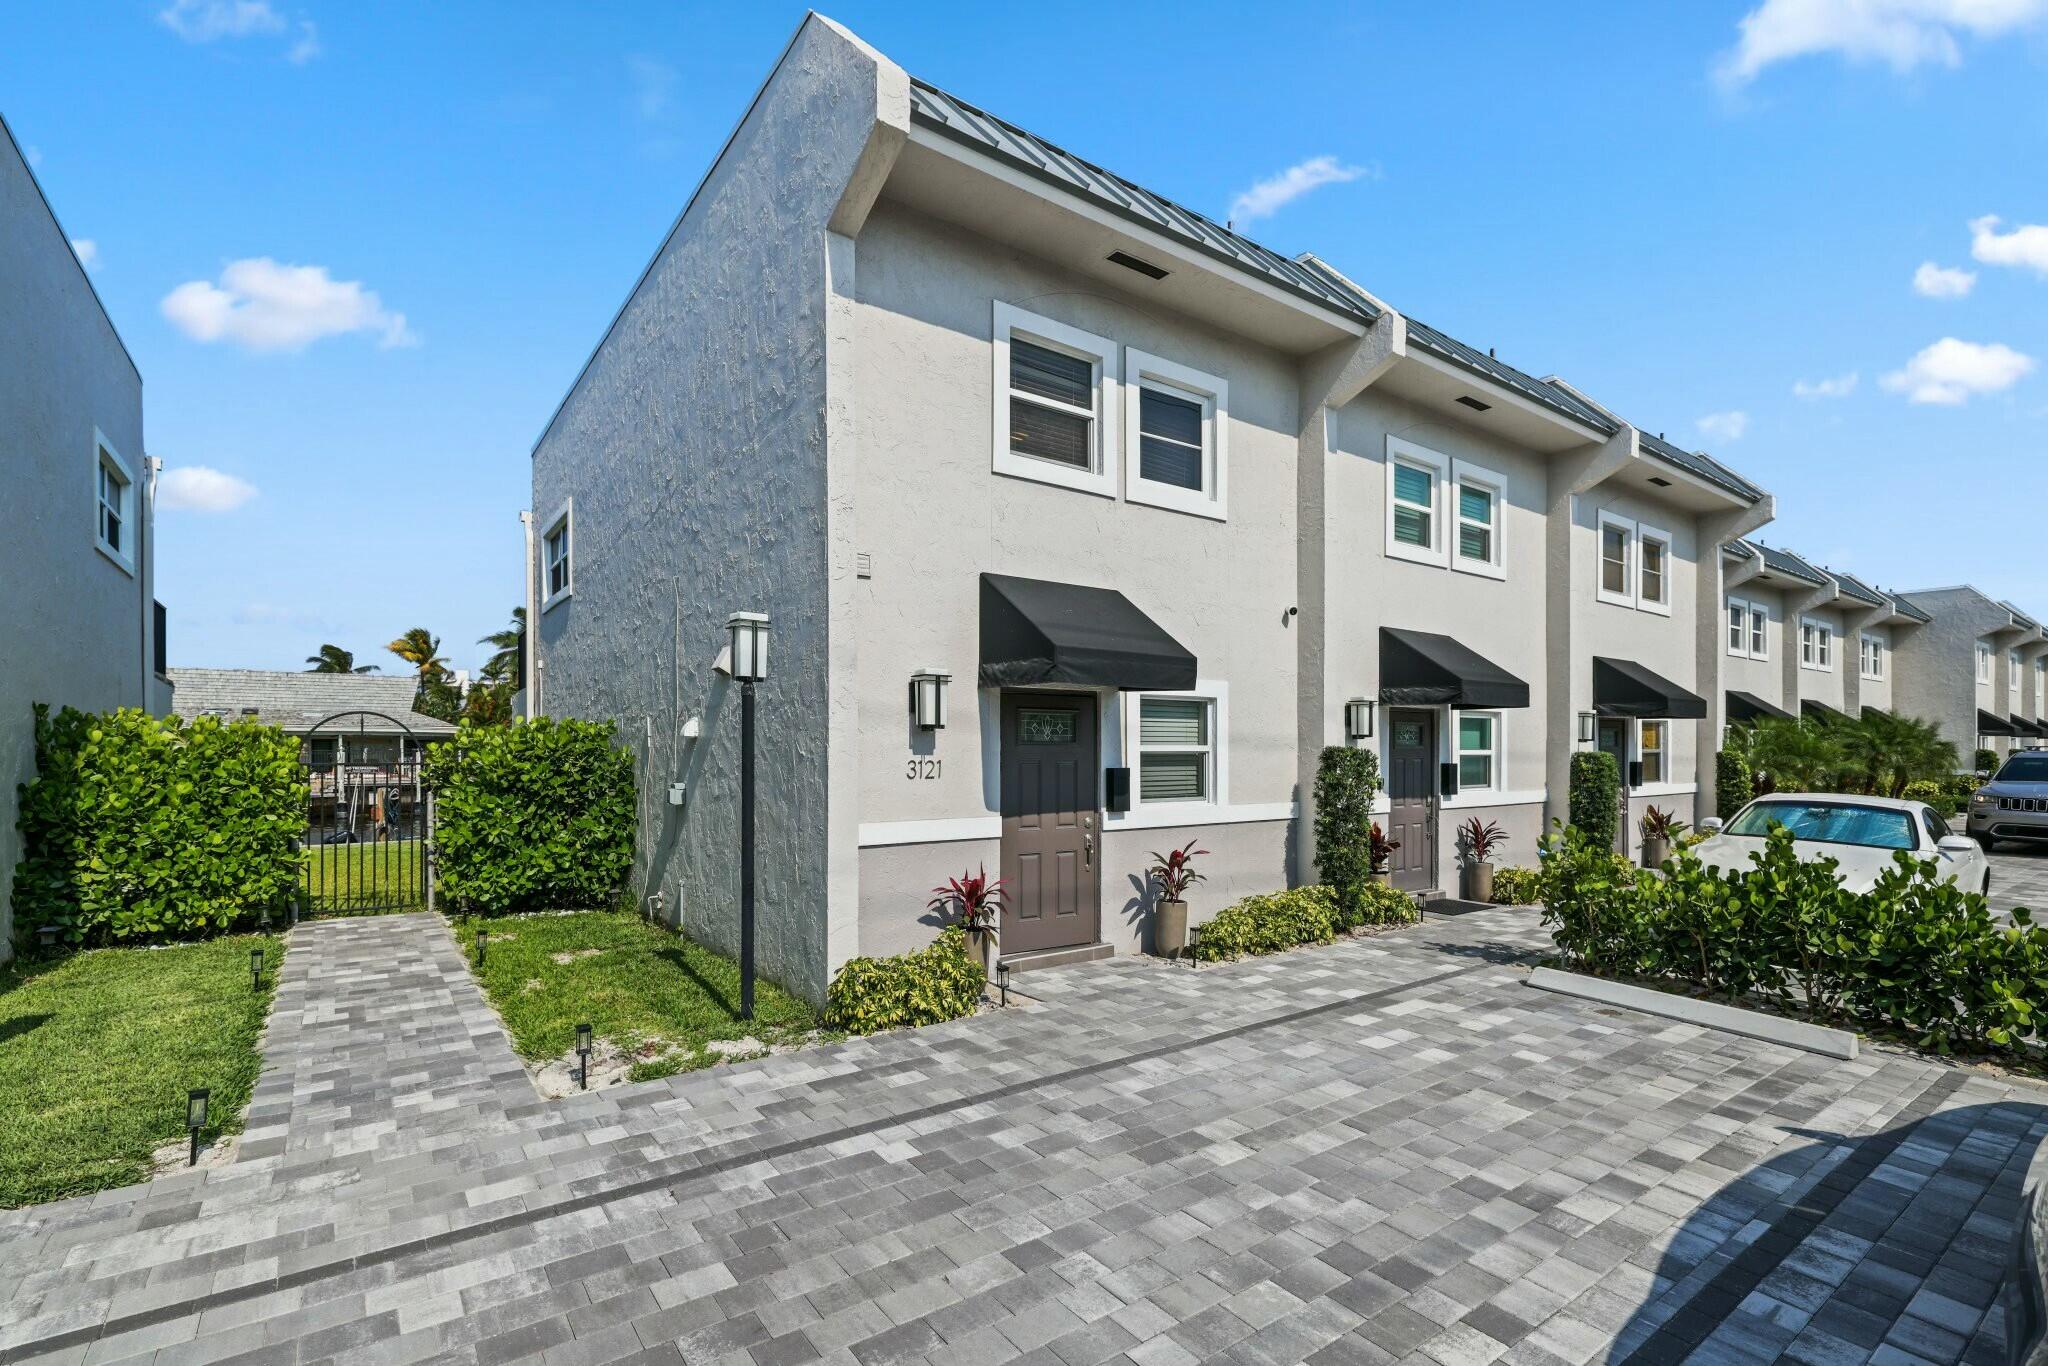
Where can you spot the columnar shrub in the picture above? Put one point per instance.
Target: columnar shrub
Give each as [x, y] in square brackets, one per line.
[1347, 781]
[140, 827]
[1270, 923]
[1985, 760]
[1734, 783]
[941, 981]
[533, 816]
[1595, 795]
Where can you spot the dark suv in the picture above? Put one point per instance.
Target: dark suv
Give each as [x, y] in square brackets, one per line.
[2014, 804]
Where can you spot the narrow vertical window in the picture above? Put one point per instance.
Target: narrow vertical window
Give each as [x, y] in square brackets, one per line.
[1651, 747]
[1656, 557]
[1759, 624]
[1614, 560]
[1478, 750]
[1414, 505]
[1478, 516]
[1738, 629]
[557, 557]
[1052, 405]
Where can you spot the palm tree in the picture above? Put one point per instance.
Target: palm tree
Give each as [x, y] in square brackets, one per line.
[421, 648]
[1788, 754]
[1885, 751]
[332, 659]
[508, 663]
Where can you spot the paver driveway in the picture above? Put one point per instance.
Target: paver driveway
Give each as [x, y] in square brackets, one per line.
[1387, 1149]
[2019, 877]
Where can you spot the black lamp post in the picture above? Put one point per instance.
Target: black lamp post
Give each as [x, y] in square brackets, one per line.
[482, 937]
[195, 1119]
[256, 969]
[583, 1057]
[1003, 980]
[748, 662]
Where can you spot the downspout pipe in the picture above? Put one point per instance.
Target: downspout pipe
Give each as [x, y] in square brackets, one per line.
[529, 677]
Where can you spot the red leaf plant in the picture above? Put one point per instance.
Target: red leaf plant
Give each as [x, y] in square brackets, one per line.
[1174, 871]
[973, 899]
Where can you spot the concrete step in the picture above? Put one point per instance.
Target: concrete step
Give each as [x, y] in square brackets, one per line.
[1055, 958]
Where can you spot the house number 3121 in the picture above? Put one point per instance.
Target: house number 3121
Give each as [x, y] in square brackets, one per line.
[917, 769]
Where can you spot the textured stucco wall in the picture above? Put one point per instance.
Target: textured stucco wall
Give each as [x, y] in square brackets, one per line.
[1817, 684]
[695, 447]
[1762, 678]
[1936, 664]
[73, 624]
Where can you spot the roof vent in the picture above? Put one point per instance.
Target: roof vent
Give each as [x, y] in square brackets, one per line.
[1660, 481]
[1473, 403]
[1490, 355]
[251, 711]
[1130, 262]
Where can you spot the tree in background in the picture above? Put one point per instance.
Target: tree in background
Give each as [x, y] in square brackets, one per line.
[437, 696]
[332, 659]
[507, 664]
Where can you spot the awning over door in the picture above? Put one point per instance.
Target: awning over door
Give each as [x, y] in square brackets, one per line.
[2022, 726]
[1821, 711]
[1744, 706]
[1989, 724]
[1035, 631]
[1622, 687]
[1421, 669]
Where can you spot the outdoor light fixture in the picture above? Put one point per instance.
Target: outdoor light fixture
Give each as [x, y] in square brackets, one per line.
[749, 632]
[1586, 723]
[482, 936]
[1194, 942]
[255, 969]
[928, 689]
[195, 1119]
[583, 1057]
[46, 937]
[1358, 719]
[1003, 979]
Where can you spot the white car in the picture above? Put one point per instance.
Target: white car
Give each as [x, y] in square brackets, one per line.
[1859, 833]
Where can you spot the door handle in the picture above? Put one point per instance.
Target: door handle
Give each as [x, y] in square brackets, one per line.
[1087, 853]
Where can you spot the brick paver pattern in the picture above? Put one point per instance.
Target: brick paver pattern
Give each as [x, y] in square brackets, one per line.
[1389, 1149]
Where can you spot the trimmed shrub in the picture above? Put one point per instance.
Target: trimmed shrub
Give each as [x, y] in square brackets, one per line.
[1517, 886]
[1985, 761]
[1734, 783]
[1270, 923]
[1347, 781]
[1383, 905]
[1595, 796]
[939, 982]
[1936, 795]
[140, 827]
[533, 816]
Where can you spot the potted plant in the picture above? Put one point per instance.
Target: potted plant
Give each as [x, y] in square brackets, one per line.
[1379, 851]
[1659, 828]
[1173, 872]
[1480, 839]
[973, 901]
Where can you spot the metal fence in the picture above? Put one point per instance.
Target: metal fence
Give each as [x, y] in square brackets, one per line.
[367, 821]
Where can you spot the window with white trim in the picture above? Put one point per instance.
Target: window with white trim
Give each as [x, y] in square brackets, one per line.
[1738, 627]
[557, 547]
[113, 505]
[1748, 629]
[1870, 657]
[1759, 631]
[1650, 739]
[1653, 569]
[1478, 750]
[1415, 484]
[1617, 560]
[1984, 658]
[1816, 645]
[1175, 430]
[2040, 686]
[1176, 748]
[2012, 678]
[1055, 396]
[1477, 506]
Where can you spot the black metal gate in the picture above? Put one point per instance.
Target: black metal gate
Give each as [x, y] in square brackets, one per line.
[366, 816]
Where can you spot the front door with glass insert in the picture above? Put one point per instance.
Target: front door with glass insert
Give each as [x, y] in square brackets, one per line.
[1051, 822]
[1411, 798]
[1613, 735]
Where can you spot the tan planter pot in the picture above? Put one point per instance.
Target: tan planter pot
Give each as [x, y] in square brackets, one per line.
[1383, 879]
[1478, 882]
[1170, 928]
[1655, 851]
[982, 944]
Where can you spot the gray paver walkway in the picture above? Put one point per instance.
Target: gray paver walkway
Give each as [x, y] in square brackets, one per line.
[1384, 1150]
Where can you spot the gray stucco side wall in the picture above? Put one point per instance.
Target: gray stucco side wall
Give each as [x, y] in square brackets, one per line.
[695, 450]
[1936, 674]
[74, 625]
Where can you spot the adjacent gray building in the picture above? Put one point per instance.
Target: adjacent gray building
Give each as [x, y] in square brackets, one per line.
[1978, 668]
[78, 624]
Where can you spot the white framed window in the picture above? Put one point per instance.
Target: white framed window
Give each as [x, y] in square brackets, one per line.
[1759, 631]
[1653, 570]
[1816, 645]
[2012, 678]
[1179, 750]
[1650, 749]
[1055, 403]
[1870, 656]
[557, 556]
[2040, 686]
[1738, 628]
[1476, 735]
[1176, 422]
[1617, 560]
[1477, 512]
[1415, 497]
[1749, 626]
[113, 493]
[1983, 662]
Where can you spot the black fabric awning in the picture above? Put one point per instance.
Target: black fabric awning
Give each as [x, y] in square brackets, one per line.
[1035, 631]
[1989, 724]
[1821, 711]
[1624, 688]
[1744, 706]
[1422, 669]
[2022, 726]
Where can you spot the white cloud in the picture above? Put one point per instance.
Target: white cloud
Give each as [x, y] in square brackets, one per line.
[202, 21]
[87, 251]
[654, 86]
[1838, 386]
[2026, 245]
[1949, 371]
[1274, 193]
[266, 306]
[308, 45]
[1728, 426]
[1943, 282]
[198, 488]
[1904, 34]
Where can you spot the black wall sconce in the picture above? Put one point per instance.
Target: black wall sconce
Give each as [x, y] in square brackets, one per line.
[1587, 723]
[928, 689]
[1358, 720]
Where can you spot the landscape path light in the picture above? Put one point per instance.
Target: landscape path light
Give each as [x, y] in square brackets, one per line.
[583, 1057]
[196, 1103]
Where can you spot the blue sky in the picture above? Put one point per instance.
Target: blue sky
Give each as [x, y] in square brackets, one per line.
[1693, 212]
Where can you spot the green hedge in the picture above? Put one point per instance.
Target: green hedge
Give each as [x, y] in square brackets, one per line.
[534, 816]
[1914, 955]
[1269, 923]
[1595, 794]
[942, 981]
[1517, 886]
[139, 827]
[1347, 781]
[1734, 783]
[1936, 795]
[1379, 904]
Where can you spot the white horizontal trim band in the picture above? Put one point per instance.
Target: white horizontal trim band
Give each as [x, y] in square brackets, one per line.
[990, 827]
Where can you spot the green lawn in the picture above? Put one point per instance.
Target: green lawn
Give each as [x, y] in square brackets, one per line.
[639, 985]
[97, 1051]
[356, 878]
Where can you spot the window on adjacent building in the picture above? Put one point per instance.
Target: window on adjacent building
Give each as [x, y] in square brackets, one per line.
[1653, 553]
[1175, 420]
[1414, 505]
[1615, 540]
[1759, 632]
[1176, 749]
[1650, 749]
[1984, 658]
[2012, 676]
[1478, 750]
[1816, 645]
[557, 571]
[1871, 657]
[1748, 629]
[1738, 629]
[114, 511]
[1054, 388]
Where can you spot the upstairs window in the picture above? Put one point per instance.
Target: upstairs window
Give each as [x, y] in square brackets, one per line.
[1617, 546]
[1055, 387]
[1653, 554]
[114, 506]
[1479, 501]
[1171, 450]
[1738, 629]
[1414, 505]
[1175, 420]
[1816, 645]
[1983, 662]
[1052, 405]
[1759, 632]
[557, 570]
[1748, 629]
[1871, 657]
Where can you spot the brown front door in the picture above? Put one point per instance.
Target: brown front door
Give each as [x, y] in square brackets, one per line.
[1050, 822]
[1411, 793]
[1614, 740]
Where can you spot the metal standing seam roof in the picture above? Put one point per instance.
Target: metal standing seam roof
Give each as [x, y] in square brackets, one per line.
[1449, 348]
[2019, 618]
[1858, 589]
[1908, 608]
[1701, 464]
[983, 131]
[1785, 562]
